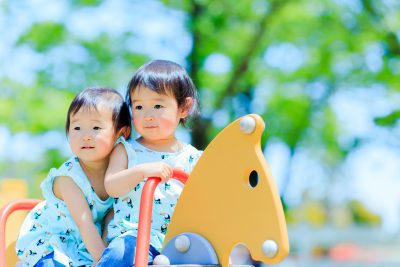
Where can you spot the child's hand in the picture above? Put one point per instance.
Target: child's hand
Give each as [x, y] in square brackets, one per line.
[158, 169]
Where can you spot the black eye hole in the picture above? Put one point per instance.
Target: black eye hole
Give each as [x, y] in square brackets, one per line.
[253, 179]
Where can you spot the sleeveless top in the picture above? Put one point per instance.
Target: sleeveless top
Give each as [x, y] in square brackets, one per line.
[49, 227]
[126, 208]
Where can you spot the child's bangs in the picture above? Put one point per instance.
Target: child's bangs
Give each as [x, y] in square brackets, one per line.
[86, 104]
[157, 84]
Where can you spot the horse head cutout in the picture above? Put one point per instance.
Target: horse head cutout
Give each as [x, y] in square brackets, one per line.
[231, 198]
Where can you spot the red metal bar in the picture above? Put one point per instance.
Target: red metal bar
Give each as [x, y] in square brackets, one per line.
[19, 204]
[145, 214]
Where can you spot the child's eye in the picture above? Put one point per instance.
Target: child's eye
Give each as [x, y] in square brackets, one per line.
[96, 128]
[158, 106]
[138, 107]
[77, 128]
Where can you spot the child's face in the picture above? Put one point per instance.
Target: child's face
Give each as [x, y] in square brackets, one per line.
[155, 116]
[91, 133]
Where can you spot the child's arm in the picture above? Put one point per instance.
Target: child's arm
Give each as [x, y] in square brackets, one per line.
[65, 189]
[120, 180]
[104, 229]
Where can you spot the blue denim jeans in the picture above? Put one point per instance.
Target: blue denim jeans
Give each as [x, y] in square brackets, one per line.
[49, 261]
[121, 252]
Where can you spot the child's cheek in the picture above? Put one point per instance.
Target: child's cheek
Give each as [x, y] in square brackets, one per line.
[136, 124]
[167, 122]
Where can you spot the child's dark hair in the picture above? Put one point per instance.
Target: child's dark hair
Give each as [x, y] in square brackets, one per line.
[91, 98]
[165, 77]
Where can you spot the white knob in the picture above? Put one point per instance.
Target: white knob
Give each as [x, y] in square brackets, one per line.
[247, 124]
[161, 260]
[269, 248]
[182, 243]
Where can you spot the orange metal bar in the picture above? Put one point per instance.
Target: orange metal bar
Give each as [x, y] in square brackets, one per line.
[145, 214]
[19, 204]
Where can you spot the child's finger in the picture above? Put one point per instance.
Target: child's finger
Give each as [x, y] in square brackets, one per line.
[164, 177]
[168, 174]
[170, 171]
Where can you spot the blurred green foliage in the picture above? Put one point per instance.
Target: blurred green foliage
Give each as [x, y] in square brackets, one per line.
[43, 36]
[389, 120]
[361, 215]
[34, 109]
[331, 37]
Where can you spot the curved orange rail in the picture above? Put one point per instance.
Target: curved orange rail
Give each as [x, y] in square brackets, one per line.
[19, 204]
[145, 214]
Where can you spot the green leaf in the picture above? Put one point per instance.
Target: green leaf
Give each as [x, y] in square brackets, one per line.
[42, 36]
[87, 2]
[388, 120]
[287, 117]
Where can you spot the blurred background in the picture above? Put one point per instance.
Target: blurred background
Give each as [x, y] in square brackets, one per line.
[323, 74]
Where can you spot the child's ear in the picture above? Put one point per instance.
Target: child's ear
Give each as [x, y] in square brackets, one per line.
[186, 107]
[125, 132]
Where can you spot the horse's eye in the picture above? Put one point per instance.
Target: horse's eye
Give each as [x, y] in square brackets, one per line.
[253, 179]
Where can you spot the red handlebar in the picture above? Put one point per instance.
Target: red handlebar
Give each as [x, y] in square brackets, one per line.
[145, 214]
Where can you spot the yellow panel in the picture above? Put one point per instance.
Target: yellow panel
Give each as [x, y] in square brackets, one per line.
[219, 203]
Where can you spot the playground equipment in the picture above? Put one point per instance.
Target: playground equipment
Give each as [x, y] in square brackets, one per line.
[230, 198]
[11, 189]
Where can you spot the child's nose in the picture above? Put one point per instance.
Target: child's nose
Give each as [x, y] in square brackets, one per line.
[86, 135]
[148, 115]
[87, 138]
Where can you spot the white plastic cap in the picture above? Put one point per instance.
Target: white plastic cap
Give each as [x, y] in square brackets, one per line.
[161, 260]
[269, 248]
[248, 124]
[182, 243]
